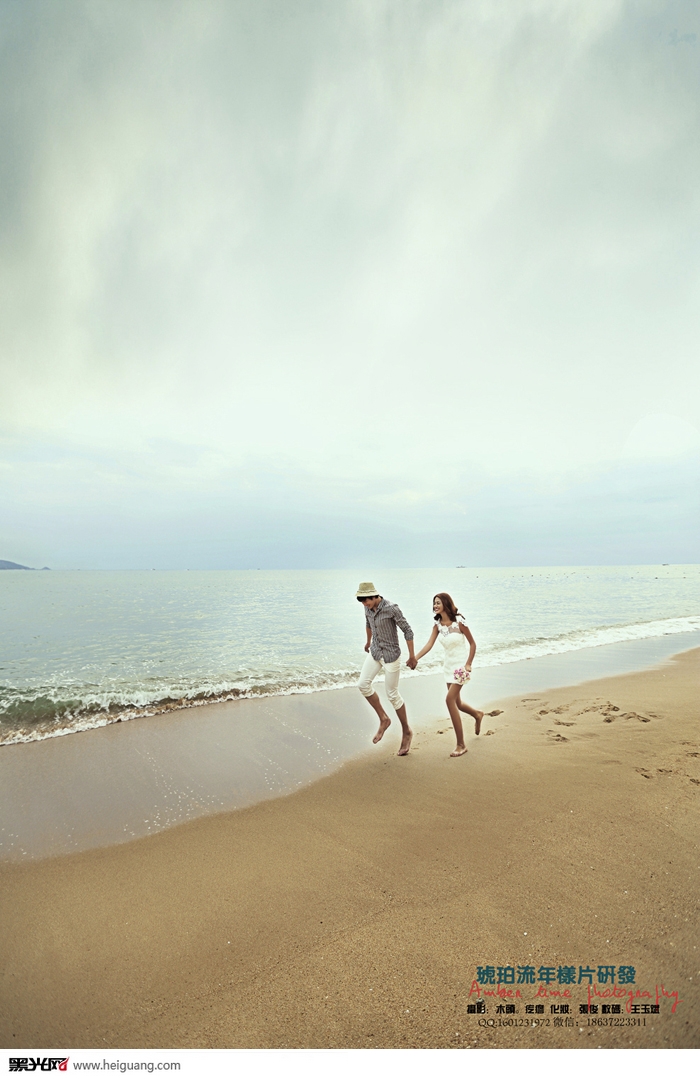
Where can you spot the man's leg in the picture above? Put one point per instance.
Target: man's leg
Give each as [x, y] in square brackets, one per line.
[370, 669]
[391, 683]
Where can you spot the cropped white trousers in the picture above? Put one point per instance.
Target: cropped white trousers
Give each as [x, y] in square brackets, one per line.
[371, 668]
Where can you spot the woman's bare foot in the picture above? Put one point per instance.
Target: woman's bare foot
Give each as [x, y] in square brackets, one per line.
[405, 743]
[384, 724]
[477, 722]
[459, 751]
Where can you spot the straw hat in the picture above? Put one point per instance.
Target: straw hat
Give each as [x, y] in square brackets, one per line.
[366, 590]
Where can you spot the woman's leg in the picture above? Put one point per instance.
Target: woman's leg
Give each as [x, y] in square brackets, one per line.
[476, 715]
[453, 708]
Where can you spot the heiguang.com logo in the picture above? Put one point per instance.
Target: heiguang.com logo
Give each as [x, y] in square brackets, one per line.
[60, 1064]
[35, 1064]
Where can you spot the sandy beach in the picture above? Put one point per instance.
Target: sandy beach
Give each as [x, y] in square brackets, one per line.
[366, 909]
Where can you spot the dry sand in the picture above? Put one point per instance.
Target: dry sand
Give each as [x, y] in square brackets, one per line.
[355, 912]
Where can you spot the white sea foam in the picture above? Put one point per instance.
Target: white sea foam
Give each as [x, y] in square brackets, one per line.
[99, 709]
[588, 638]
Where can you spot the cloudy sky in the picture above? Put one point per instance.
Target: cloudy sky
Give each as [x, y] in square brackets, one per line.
[317, 283]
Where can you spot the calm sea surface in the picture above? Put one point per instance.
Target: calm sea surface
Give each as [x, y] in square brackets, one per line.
[80, 650]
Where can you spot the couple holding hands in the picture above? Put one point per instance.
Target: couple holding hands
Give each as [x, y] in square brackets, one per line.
[382, 619]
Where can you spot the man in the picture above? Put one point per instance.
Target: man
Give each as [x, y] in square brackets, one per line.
[382, 618]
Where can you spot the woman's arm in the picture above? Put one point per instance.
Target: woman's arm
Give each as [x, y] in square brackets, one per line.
[426, 648]
[472, 644]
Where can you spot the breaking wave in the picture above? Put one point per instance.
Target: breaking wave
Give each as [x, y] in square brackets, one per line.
[50, 711]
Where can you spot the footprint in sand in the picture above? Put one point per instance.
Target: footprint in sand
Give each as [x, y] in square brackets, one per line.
[606, 708]
[496, 712]
[556, 737]
[487, 733]
[643, 772]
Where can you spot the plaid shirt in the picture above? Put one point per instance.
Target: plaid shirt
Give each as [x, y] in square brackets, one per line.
[382, 622]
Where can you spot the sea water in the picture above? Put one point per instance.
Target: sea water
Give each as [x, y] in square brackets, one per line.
[80, 650]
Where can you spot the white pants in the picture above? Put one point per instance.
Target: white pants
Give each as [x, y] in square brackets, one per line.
[371, 668]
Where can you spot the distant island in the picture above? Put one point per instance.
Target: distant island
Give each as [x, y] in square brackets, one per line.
[16, 565]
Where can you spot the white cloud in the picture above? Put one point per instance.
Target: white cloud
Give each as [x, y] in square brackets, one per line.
[660, 436]
[415, 249]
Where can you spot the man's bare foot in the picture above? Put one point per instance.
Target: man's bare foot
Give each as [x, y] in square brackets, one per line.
[477, 722]
[383, 725]
[459, 751]
[405, 743]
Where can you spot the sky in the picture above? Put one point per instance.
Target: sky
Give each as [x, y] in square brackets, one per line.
[349, 283]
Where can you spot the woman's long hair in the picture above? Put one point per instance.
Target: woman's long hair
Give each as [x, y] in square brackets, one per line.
[449, 606]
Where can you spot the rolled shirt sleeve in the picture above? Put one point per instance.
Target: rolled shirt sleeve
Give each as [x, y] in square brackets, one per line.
[403, 625]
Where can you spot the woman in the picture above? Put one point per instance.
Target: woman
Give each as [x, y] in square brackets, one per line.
[452, 630]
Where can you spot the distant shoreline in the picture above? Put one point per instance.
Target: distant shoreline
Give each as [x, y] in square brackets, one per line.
[16, 565]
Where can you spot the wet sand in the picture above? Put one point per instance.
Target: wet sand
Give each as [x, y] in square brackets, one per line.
[357, 911]
[116, 783]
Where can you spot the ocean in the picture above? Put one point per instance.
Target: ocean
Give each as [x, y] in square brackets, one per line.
[81, 649]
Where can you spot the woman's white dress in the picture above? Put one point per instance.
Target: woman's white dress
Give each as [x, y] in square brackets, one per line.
[455, 644]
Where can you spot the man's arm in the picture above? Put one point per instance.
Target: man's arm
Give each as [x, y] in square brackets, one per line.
[408, 634]
[368, 627]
